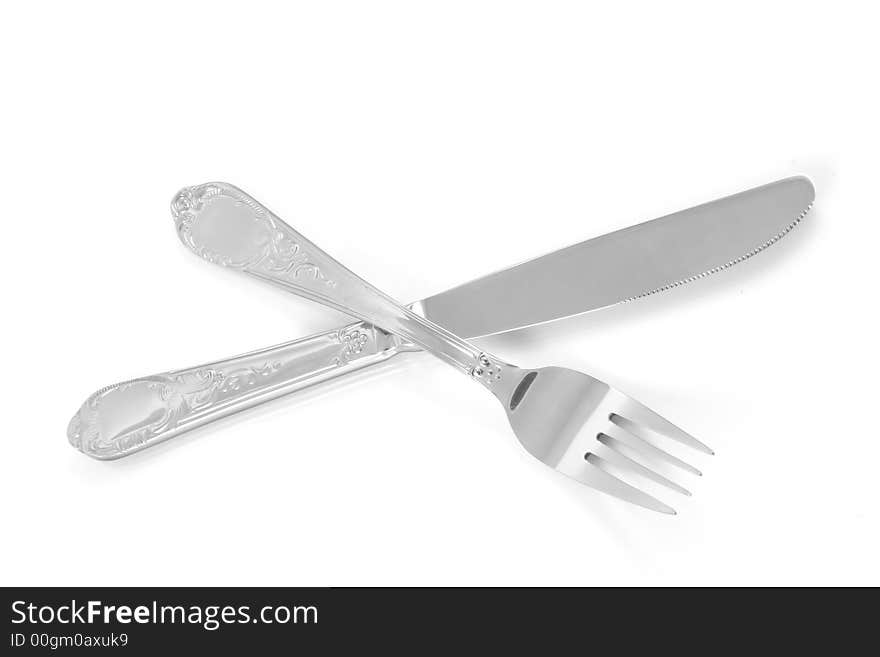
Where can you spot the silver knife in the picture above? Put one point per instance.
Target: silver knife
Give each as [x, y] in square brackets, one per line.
[617, 267]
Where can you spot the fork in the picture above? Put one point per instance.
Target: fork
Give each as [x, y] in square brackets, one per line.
[572, 422]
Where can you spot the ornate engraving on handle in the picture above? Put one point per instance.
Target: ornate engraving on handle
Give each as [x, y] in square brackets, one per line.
[156, 412]
[354, 340]
[124, 417]
[261, 244]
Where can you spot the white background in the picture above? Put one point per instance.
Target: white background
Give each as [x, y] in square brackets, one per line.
[425, 144]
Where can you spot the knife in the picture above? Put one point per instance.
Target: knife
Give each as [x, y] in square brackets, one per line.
[621, 266]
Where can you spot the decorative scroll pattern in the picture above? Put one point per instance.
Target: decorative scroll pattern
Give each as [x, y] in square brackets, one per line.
[84, 430]
[354, 341]
[276, 251]
[156, 405]
[126, 417]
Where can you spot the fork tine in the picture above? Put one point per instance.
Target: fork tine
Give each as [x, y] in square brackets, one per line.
[594, 476]
[641, 445]
[615, 456]
[638, 413]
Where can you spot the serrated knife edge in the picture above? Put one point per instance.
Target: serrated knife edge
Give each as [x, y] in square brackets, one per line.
[632, 263]
[727, 265]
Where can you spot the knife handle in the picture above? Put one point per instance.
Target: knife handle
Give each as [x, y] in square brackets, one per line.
[225, 226]
[127, 417]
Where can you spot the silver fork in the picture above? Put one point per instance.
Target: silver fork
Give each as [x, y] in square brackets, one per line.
[576, 424]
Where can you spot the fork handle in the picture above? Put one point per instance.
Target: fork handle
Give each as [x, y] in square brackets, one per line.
[127, 417]
[224, 225]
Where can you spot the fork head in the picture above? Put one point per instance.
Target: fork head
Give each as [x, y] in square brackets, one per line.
[587, 430]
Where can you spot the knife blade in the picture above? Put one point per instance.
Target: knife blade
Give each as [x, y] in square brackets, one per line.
[624, 265]
[127, 417]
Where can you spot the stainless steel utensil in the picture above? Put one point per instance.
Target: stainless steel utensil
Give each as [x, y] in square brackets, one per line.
[562, 417]
[126, 417]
